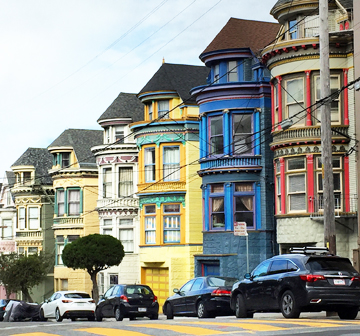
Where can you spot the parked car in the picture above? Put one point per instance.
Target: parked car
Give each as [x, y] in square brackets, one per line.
[3, 304]
[17, 310]
[202, 297]
[130, 301]
[68, 304]
[308, 279]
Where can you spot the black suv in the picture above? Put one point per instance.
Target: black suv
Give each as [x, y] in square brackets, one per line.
[307, 279]
[128, 301]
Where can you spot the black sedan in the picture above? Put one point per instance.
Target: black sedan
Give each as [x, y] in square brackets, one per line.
[202, 297]
[130, 301]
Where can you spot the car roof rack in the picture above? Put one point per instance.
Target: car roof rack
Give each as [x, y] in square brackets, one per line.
[310, 250]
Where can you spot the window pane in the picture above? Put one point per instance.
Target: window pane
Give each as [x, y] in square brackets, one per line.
[232, 71]
[34, 222]
[149, 164]
[247, 217]
[172, 229]
[126, 184]
[296, 164]
[119, 134]
[107, 182]
[172, 208]
[296, 183]
[74, 202]
[248, 73]
[243, 187]
[171, 159]
[297, 202]
[216, 135]
[242, 133]
[150, 209]
[163, 108]
[126, 236]
[61, 202]
[217, 188]
[244, 203]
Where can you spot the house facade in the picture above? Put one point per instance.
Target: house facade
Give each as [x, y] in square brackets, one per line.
[74, 175]
[235, 160]
[117, 203]
[293, 60]
[169, 187]
[34, 200]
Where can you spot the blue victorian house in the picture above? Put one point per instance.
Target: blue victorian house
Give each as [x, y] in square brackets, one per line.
[236, 162]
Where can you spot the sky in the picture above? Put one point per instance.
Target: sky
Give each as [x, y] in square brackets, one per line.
[62, 63]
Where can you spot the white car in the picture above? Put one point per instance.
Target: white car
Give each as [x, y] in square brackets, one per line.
[68, 304]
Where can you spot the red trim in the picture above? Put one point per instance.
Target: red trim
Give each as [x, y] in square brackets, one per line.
[346, 98]
[272, 107]
[282, 182]
[279, 93]
[308, 98]
[347, 184]
[310, 181]
[276, 191]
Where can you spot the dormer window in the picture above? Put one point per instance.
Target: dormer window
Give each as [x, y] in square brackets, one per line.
[163, 109]
[119, 134]
[248, 72]
[233, 71]
[26, 177]
[293, 33]
[65, 160]
[216, 73]
[150, 111]
[107, 139]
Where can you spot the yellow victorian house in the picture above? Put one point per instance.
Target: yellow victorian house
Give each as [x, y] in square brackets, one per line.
[169, 188]
[75, 181]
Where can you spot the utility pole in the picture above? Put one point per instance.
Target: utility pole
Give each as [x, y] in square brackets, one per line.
[326, 141]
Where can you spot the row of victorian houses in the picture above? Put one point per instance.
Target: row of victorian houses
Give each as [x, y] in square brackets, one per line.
[198, 149]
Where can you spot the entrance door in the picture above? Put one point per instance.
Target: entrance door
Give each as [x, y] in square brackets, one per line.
[158, 280]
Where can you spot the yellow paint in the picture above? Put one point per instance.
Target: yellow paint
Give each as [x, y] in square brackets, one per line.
[246, 326]
[181, 329]
[35, 334]
[111, 332]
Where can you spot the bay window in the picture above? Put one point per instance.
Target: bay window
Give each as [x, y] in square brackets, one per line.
[171, 163]
[217, 207]
[242, 134]
[296, 184]
[149, 160]
[68, 202]
[232, 71]
[126, 184]
[150, 224]
[107, 182]
[216, 135]
[74, 202]
[22, 218]
[60, 199]
[295, 107]
[244, 203]
[163, 109]
[34, 218]
[171, 223]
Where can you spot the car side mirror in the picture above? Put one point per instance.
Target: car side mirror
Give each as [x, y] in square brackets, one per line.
[46, 301]
[176, 291]
[101, 297]
[247, 276]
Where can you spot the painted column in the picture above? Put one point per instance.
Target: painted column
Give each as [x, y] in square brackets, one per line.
[282, 182]
[204, 137]
[346, 98]
[347, 184]
[272, 107]
[229, 208]
[308, 98]
[280, 111]
[258, 205]
[206, 191]
[310, 182]
[257, 133]
[227, 138]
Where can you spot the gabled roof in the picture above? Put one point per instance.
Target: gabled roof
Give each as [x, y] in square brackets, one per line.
[81, 140]
[126, 105]
[239, 33]
[180, 78]
[40, 159]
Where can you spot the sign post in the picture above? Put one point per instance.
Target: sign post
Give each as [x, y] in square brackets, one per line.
[240, 229]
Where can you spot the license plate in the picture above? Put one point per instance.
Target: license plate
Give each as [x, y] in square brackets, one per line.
[142, 309]
[81, 303]
[339, 282]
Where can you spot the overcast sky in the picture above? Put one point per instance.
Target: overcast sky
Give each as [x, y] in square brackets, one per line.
[62, 63]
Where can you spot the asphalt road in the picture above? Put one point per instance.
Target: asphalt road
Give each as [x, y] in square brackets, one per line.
[262, 324]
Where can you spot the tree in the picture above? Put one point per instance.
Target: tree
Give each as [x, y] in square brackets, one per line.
[21, 273]
[93, 253]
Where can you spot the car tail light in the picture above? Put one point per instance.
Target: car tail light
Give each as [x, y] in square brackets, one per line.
[66, 301]
[312, 277]
[92, 301]
[355, 278]
[2, 308]
[155, 298]
[124, 298]
[221, 292]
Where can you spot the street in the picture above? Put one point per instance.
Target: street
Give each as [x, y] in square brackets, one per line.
[262, 324]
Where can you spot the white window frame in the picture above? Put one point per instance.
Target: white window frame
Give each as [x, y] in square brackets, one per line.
[36, 219]
[163, 111]
[291, 100]
[22, 218]
[302, 192]
[233, 75]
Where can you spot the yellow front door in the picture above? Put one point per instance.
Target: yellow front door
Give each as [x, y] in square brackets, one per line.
[158, 280]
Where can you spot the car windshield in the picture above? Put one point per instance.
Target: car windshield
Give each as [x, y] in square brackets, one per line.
[330, 264]
[77, 296]
[137, 290]
[221, 282]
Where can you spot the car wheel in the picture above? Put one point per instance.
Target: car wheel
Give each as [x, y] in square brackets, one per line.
[169, 312]
[58, 316]
[154, 317]
[98, 315]
[201, 310]
[41, 316]
[348, 313]
[288, 305]
[119, 316]
[240, 308]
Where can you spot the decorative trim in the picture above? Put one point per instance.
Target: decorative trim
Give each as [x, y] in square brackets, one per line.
[158, 200]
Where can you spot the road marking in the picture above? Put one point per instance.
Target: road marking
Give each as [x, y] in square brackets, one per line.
[310, 323]
[35, 334]
[111, 332]
[246, 326]
[181, 329]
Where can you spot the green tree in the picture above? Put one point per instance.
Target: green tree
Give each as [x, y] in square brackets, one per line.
[21, 273]
[93, 253]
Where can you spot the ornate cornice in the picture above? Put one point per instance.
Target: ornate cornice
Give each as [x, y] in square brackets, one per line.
[158, 200]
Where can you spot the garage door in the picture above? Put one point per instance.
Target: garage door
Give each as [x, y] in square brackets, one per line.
[158, 280]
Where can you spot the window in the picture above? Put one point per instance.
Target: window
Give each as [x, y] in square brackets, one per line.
[107, 231]
[216, 73]
[126, 236]
[107, 222]
[312, 24]
[216, 135]
[22, 218]
[74, 202]
[6, 230]
[335, 102]
[60, 247]
[217, 207]
[65, 160]
[244, 203]
[21, 250]
[261, 270]
[242, 134]
[126, 184]
[113, 279]
[276, 103]
[34, 218]
[198, 284]
[295, 100]
[64, 284]
[171, 223]
[296, 163]
[107, 183]
[119, 134]
[150, 224]
[297, 192]
[248, 72]
[149, 164]
[163, 109]
[60, 199]
[150, 111]
[107, 138]
[32, 250]
[293, 33]
[187, 286]
[232, 71]
[171, 165]
[26, 177]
